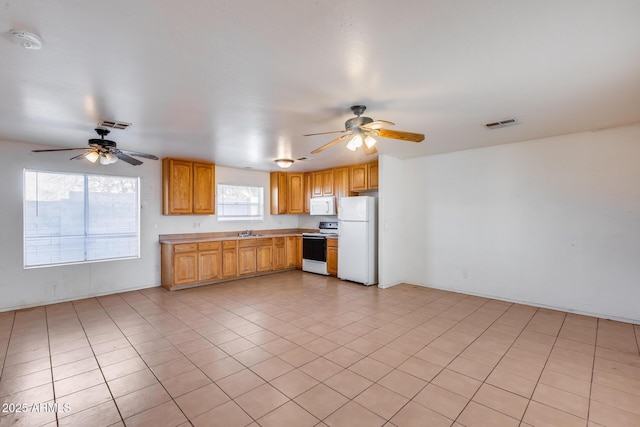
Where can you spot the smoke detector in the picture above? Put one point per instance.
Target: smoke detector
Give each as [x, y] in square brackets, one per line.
[26, 39]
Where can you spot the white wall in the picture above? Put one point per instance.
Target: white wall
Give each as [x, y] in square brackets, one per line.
[552, 222]
[390, 221]
[22, 288]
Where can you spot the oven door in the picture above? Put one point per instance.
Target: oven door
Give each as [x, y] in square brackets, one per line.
[314, 248]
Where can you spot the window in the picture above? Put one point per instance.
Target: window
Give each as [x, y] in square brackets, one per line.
[72, 218]
[240, 203]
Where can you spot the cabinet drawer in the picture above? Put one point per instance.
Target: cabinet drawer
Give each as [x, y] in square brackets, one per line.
[332, 243]
[229, 244]
[246, 243]
[208, 246]
[278, 241]
[264, 242]
[185, 247]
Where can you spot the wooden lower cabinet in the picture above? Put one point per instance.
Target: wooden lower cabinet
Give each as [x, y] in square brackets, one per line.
[201, 263]
[247, 259]
[229, 258]
[332, 257]
[185, 268]
[280, 259]
[264, 254]
[209, 261]
[299, 252]
[291, 251]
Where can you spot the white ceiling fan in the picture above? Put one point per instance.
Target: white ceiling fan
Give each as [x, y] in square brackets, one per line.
[361, 132]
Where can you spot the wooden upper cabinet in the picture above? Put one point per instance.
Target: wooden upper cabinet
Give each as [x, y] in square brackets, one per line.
[327, 182]
[308, 189]
[278, 193]
[316, 184]
[373, 176]
[341, 182]
[364, 176]
[204, 188]
[359, 177]
[322, 183]
[295, 187]
[188, 187]
[177, 186]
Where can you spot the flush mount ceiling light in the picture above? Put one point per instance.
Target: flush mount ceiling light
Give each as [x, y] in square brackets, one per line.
[284, 163]
[26, 39]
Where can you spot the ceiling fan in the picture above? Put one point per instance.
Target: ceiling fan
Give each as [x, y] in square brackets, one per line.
[105, 150]
[361, 132]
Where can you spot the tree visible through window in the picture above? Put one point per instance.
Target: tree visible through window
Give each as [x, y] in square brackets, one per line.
[71, 218]
[240, 203]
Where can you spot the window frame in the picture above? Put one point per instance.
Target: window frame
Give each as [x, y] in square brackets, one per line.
[85, 176]
[226, 218]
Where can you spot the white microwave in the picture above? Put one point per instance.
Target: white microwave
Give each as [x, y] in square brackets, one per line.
[322, 206]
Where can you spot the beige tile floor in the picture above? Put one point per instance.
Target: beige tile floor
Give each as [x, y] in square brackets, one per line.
[297, 349]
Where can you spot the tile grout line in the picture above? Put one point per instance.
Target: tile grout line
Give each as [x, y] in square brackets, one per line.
[6, 350]
[543, 368]
[417, 351]
[46, 322]
[495, 366]
[148, 367]
[98, 363]
[593, 368]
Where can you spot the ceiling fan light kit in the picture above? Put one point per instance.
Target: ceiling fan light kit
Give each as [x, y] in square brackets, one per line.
[361, 131]
[284, 163]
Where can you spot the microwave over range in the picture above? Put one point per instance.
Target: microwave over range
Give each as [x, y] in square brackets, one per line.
[322, 205]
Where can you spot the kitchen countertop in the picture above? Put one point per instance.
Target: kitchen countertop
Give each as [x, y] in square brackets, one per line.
[175, 239]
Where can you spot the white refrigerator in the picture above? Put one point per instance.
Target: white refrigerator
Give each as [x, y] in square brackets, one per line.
[357, 240]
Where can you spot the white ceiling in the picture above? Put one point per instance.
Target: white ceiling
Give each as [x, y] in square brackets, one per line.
[239, 82]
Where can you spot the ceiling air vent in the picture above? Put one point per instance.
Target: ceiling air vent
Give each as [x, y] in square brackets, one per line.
[113, 124]
[501, 124]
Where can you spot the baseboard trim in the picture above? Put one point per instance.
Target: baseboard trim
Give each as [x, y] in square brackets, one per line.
[76, 298]
[532, 304]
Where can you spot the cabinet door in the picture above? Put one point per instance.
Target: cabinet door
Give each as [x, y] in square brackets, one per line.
[209, 267]
[279, 255]
[373, 176]
[291, 251]
[341, 183]
[327, 182]
[308, 191]
[316, 184]
[278, 193]
[295, 200]
[299, 252]
[332, 260]
[185, 268]
[229, 259]
[247, 260]
[204, 188]
[264, 258]
[359, 178]
[177, 184]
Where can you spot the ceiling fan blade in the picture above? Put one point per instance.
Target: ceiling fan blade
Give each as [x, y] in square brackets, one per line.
[405, 136]
[128, 159]
[377, 124]
[79, 156]
[60, 149]
[137, 154]
[368, 150]
[331, 144]
[325, 133]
